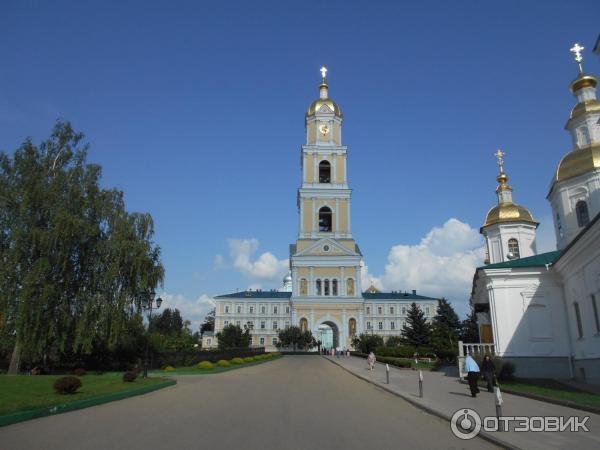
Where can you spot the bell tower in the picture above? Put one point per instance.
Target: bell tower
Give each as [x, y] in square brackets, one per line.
[325, 260]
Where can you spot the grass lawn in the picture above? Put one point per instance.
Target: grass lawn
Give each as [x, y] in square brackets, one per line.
[553, 389]
[21, 392]
[193, 370]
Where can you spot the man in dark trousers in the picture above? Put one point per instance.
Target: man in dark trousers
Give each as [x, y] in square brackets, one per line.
[472, 370]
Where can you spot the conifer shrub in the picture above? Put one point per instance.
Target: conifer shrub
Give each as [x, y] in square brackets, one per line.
[223, 363]
[67, 385]
[237, 361]
[80, 371]
[129, 377]
[248, 359]
[205, 365]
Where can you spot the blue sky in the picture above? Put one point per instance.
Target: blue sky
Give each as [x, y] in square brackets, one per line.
[196, 109]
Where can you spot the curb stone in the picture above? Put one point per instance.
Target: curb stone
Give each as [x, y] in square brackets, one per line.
[21, 416]
[488, 437]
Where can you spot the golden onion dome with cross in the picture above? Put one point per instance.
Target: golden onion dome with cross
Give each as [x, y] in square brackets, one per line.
[324, 99]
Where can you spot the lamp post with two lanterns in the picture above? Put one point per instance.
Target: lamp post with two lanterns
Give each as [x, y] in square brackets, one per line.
[148, 305]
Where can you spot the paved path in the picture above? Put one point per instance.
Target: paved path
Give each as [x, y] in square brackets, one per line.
[296, 402]
[444, 394]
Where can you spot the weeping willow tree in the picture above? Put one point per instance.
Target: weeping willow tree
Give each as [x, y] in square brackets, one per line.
[75, 266]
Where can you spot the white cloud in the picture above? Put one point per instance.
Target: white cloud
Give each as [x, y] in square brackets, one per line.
[219, 263]
[266, 267]
[442, 264]
[192, 310]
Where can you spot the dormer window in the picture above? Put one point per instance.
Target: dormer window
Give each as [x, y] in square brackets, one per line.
[513, 248]
[324, 172]
[583, 216]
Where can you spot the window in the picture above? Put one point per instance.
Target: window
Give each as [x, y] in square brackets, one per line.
[319, 288]
[287, 324]
[226, 309]
[595, 311]
[287, 309]
[208, 341]
[262, 341]
[262, 324]
[274, 324]
[513, 249]
[391, 310]
[427, 310]
[578, 319]
[251, 324]
[583, 217]
[252, 310]
[368, 310]
[303, 324]
[404, 310]
[238, 323]
[275, 310]
[325, 219]
[239, 309]
[326, 287]
[250, 342]
[226, 323]
[263, 309]
[274, 341]
[368, 325]
[559, 225]
[324, 172]
[334, 287]
[393, 325]
[380, 325]
[379, 310]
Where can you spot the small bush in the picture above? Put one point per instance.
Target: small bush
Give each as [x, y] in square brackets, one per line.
[130, 377]
[80, 371]
[237, 361]
[223, 363]
[276, 353]
[248, 359]
[169, 369]
[205, 365]
[507, 371]
[268, 355]
[67, 385]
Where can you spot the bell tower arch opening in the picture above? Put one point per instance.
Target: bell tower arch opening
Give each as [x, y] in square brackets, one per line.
[329, 335]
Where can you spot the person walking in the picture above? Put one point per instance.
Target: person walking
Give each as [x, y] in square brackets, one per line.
[472, 370]
[488, 370]
[371, 361]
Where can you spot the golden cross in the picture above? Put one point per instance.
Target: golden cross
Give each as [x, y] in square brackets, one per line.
[324, 72]
[576, 50]
[500, 156]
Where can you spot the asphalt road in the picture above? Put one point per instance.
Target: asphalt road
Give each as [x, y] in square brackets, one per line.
[297, 402]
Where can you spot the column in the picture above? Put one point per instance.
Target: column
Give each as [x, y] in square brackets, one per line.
[337, 217]
[312, 320]
[301, 227]
[311, 282]
[358, 284]
[334, 179]
[361, 321]
[295, 282]
[314, 217]
[344, 331]
[315, 169]
[342, 286]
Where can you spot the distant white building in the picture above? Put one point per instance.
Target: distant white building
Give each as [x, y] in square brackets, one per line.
[542, 311]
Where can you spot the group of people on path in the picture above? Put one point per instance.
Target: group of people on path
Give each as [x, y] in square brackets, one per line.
[473, 374]
[336, 352]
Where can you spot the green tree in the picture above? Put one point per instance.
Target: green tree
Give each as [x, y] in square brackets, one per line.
[445, 330]
[416, 330]
[209, 322]
[168, 323]
[393, 341]
[296, 338]
[75, 266]
[469, 330]
[232, 336]
[366, 343]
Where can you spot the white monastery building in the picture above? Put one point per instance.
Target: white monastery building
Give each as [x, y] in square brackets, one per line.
[542, 311]
[323, 292]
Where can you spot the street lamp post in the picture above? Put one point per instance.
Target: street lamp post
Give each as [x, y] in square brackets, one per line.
[149, 306]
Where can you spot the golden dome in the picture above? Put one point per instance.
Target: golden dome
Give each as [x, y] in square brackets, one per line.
[508, 212]
[578, 162]
[587, 106]
[583, 81]
[316, 105]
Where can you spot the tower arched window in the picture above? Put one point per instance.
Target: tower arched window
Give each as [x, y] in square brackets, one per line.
[319, 288]
[326, 290]
[583, 216]
[350, 287]
[513, 248]
[334, 287]
[303, 287]
[324, 172]
[325, 219]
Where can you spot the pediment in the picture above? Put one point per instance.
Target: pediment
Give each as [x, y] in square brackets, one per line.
[318, 248]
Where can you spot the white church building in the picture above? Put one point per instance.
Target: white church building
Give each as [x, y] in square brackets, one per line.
[542, 311]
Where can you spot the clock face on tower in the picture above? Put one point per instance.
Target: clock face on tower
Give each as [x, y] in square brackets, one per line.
[324, 129]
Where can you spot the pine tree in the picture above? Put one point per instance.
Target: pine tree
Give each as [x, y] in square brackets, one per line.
[416, 331]
[445, 330]
[469, 330]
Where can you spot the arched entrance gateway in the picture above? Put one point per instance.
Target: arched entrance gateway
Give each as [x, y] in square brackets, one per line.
[329, 335]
